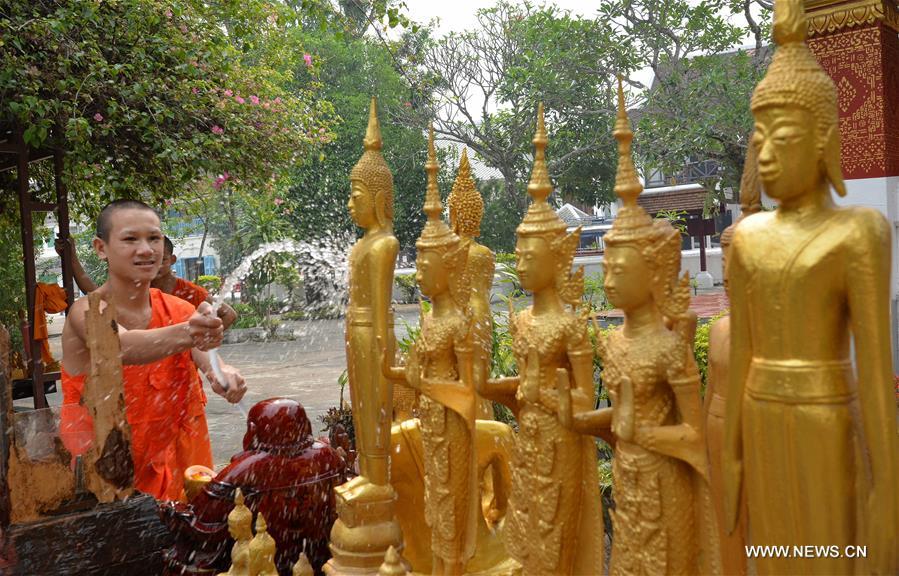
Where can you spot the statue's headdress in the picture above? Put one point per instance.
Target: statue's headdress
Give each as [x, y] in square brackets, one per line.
[541, 220]
[795, 78]
[466, 207]
[371, 167]
[657, 240]
[240, 515]
[436, 235]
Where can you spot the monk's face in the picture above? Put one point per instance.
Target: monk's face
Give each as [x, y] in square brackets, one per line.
[135, 245]
[790, 162]
[165, 268]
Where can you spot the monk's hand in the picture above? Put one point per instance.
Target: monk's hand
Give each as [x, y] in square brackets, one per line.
[205, 329]
[234, 386]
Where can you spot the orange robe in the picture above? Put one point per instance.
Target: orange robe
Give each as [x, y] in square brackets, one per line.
[47, 298]
[167, 434]
[189, 291]
[193, 442]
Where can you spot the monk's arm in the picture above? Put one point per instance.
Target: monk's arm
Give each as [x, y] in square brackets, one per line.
[84, 282]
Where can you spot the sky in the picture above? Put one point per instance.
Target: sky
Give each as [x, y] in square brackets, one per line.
[458, 15]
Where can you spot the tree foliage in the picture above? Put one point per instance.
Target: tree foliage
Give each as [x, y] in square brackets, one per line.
[147, 96]
[487, 83]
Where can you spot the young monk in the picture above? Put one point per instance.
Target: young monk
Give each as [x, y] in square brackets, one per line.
[163, 340]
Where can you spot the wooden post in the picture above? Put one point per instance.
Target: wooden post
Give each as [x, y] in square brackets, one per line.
[6, 424]
[62, 213]
[108, 468]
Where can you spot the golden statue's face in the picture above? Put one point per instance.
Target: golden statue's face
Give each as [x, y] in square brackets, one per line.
[535, 263]
[789, 157]
[627, 279]
[431, 273]
[361, 204]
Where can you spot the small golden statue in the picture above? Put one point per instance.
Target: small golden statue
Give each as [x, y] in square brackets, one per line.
[466, 208]
[555, 520]
[262, 551]
[440, 367]
[660, 466]
[367, 525]
[240, 526]
[733, 552]
[815, 448]
[393, 564]
[302, 567]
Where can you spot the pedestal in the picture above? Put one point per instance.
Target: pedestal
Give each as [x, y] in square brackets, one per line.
[366, 527]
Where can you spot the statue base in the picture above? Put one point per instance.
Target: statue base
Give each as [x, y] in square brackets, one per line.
[366, 527]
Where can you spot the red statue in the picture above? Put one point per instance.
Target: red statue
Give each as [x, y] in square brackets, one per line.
[284, 473]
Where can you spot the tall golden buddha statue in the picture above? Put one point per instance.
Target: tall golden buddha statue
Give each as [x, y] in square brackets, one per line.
[555, 520]
[733, 552]
[662, 518]
[815, 447]
[466, 208]
[440, 367]
[367, 526]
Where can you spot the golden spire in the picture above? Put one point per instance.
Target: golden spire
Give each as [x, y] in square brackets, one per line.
[540, 218]
[627, 185]
[632, 221]
[789, 22]
[435, 233]
[540, 187]
[372, 140]
[466, 207]
[393, 564]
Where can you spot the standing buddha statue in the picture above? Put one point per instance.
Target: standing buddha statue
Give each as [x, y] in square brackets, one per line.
[439, 367]
[662, 516]
[815, 447]
[733, 553]
[240, 526]
[367, 525]
[555, 520]
[466, 208]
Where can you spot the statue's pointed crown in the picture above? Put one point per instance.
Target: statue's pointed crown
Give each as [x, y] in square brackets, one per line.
[466, 207]
[540, 218]
[392, 565]
[240, 514]
[371, 167]
[436, 233]
[794, 77]
[632, 220]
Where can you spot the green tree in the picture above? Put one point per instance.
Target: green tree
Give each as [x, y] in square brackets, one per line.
[147, 96]
[487, 82]
[698, 106]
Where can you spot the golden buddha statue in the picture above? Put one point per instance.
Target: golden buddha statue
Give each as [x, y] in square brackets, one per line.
[466, 208]
[367, 526]
[302, 567]
[733, 552]
[815, 447]
[262, 551]
[662, 516]
[240, 526]
[555, 520]
[393, 564]
[440, 367]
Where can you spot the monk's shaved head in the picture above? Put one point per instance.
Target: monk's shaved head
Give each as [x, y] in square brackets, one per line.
[104, 220]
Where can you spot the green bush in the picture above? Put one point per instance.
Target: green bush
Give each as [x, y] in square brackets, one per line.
[210, 282]
[294, 315]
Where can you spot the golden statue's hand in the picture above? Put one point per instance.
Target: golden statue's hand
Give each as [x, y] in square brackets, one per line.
[646, 437]
[413, 369]
[387, 369]
[623, 425]
[563, 393]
